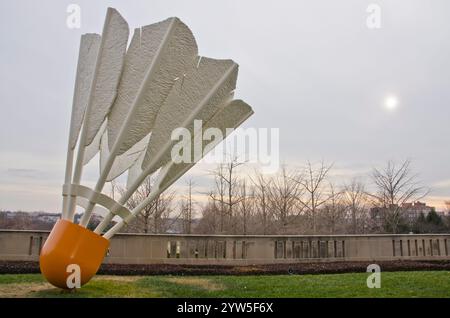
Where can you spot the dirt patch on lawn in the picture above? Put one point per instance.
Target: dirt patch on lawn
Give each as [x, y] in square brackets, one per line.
[21, 290]
[124, 279]
[196, 282]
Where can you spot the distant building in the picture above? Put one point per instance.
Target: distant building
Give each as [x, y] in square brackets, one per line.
[410, 211]
[47, 217]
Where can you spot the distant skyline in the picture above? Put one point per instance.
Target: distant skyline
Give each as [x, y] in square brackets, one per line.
[337, 90]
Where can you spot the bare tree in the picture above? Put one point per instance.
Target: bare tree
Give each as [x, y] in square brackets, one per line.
[226, 193]
[163, 220]
[142, 222]
[154, 217]
[261, 194]
[313, 182]
[245, 206]
[396, 185]
[447, 217]
[208, 221]
[284, 193]
[334, 211]
[217, 198]
[355, 198]
[187, 206]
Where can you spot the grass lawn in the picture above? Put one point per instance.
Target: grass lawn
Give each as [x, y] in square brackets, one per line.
[393, 284]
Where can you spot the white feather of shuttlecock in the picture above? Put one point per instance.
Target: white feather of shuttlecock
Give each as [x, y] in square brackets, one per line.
[101, 93]
[231, 116]
[135, 99]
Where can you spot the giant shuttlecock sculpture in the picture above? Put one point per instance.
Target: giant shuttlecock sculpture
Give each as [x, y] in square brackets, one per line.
[127, 102]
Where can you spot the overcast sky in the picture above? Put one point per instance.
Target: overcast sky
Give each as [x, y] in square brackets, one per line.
[311, 68]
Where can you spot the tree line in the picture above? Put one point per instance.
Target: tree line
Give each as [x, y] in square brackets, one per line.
[292, 201]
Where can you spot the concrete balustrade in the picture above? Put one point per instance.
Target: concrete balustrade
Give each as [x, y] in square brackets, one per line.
[242, 250]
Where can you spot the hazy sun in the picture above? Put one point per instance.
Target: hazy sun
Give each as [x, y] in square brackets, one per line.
[391, 102]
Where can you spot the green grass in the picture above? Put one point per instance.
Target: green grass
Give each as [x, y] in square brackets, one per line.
[393, 284]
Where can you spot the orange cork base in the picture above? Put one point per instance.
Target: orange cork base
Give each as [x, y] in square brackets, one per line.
[68, 244]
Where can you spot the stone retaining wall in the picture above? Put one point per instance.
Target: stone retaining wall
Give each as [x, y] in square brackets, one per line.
[243, 250]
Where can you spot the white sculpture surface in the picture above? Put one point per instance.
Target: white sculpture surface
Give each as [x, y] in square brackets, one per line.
[128, 101]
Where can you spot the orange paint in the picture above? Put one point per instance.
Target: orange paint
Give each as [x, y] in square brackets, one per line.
[67, 244]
